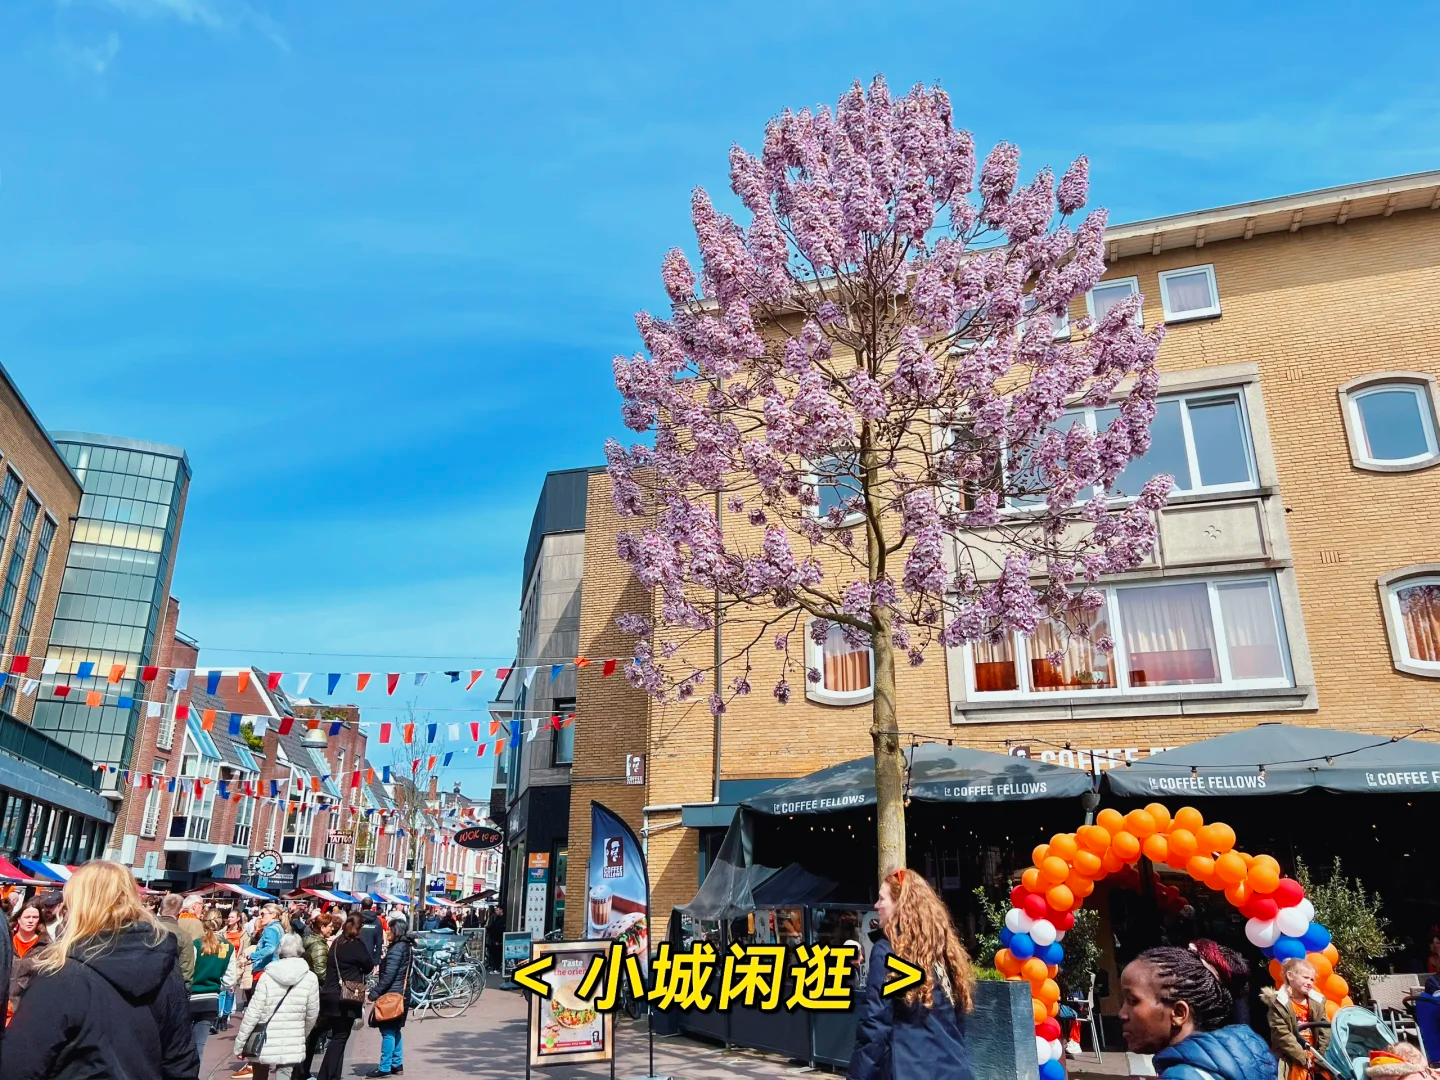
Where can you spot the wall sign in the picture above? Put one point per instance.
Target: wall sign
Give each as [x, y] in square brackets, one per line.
[479, 837]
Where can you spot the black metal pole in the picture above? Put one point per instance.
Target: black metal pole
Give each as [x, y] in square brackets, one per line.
[528, 1033]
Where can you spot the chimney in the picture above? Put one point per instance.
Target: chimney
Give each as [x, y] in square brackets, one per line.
[457, 787]
[434, 787]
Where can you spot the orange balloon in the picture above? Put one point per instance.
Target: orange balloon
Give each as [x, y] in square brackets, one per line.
[1038, 855]
[1189, 819]
[1088, 864]
[1079, 886]
[1331, 1008]
[1052, 970]
[1007, 963]
[1161, 814]
[1331, 953]
[1200, 867]
[1229, 868]
[1064, 845]
[1111, 820]
[1038, 1007]
[1263, 879]
[1238, 893]
[1054, 870]
[1141, 823]
[1277, 972]
[1031, 880]
[1033, 970]
[1112, 863]
[1182, 844]
[1320, 963]
[1125, 846]
[1246, 858]
[1060, 898]
[1335, 986]
[1094, 838]
[1048, 992]
[1156, 849]
[1217, 837]
[1054, 1009]
[1346, 1001]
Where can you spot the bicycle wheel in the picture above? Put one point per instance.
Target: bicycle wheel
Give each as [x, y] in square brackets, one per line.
[449, 997]
[631, 1004]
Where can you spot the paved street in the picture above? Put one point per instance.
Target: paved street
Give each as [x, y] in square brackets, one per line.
[489, 1040]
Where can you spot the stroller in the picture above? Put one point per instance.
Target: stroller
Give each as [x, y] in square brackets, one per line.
[1354, 1032]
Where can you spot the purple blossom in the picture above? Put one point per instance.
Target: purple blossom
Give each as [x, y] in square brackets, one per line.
[679, 279]
[1074, 186]
[782, 692]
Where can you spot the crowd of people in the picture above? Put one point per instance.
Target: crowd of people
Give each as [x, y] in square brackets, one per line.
[99, 983]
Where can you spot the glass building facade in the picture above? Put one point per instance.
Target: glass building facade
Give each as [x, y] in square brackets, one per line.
[112, 598]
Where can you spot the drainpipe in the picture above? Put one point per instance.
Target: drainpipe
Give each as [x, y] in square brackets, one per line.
[719, 662]
[645, 830]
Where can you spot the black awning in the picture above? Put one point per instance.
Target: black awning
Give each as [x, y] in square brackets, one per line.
[938, 773]
[1282, 759]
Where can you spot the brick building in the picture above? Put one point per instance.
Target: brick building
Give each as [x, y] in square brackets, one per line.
[1296, 577]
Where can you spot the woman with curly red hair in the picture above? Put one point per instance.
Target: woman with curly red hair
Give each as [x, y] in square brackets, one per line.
[922, 1032]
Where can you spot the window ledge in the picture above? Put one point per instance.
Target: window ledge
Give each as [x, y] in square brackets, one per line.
[1396, 466]
[826, 697]
[1192, 316]
[1083, 707]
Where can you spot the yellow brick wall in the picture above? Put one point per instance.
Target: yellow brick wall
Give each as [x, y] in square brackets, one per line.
[1313, 309]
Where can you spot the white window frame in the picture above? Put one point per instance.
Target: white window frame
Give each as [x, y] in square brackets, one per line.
[814, 478]
[244, 820]
[1192, 457]
[1119, 658]
[815, 658]
[1423, 387]
[150, 819]
[1391, 586]
[1171, 316]
[1132, 281]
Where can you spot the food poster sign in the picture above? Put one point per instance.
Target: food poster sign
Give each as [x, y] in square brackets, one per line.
[564, 1030]
[618, 886]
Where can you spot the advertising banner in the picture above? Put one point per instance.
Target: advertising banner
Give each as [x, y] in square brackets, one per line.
[617, 895]
[564, 1030]
[514, 951]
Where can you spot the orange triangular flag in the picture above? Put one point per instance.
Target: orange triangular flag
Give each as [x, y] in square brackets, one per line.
[208, 722]
[242, 681]
[117, 672]
[93, 698]
[362, 680]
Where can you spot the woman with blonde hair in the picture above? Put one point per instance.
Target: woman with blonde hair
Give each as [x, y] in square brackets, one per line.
[922, 1032]
[107, 998]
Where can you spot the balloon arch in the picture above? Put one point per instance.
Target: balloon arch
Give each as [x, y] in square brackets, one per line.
[1281, 920]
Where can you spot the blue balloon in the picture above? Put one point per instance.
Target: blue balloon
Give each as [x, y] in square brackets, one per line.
[1316, 938]
[1022, 946]
[1051, 954]
[1006, 936]
[1268, 952]
[1052, 1070]
[1289, 948]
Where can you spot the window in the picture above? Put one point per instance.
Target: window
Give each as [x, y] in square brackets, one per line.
[299, 820]
[244, 821]
[150, 823]
[1105, 295]
[1390, 421]
[847, 672]
[190, 813]
[1411, 603]
[1189, 294]
[1217, 633]
[837, 481]
[563, 745]
[1201, 439]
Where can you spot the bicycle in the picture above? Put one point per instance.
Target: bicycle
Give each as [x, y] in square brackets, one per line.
[446, 989]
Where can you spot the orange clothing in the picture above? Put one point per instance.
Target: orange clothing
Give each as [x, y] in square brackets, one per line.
[21, 947]
[1301, 1009]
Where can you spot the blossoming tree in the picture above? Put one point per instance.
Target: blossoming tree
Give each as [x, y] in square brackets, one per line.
[860, 418]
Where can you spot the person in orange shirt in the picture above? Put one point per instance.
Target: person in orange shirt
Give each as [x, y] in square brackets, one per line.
[1292, 1005]
[29, 941]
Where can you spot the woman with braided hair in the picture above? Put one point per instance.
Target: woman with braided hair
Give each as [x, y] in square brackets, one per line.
[920, 1033]
[1178, 1008]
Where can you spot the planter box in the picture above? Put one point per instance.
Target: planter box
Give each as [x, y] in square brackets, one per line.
[1001, 1032]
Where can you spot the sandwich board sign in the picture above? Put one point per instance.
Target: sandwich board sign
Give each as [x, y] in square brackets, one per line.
[563, 1029]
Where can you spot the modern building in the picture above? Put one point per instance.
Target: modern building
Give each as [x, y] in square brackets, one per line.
[50, 804]
[1296, 578]
[113, 595]
[532, 795]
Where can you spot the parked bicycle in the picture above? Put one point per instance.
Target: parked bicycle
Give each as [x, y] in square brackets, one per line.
[444, 986]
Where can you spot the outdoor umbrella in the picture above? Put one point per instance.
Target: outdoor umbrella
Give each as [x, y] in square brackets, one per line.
[1283, 759]
[938, 773]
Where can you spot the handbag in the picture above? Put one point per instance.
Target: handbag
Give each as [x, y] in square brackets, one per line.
[255, 1041]
[351, 990]
[391, 1006]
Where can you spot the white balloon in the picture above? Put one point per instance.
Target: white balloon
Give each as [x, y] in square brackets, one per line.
[1042, 1049]
[1057, 1050]
[1261, 933]
[1292, 922]
[1042, 932]
[1017, 922]
[1059, 935]
[1308, 908]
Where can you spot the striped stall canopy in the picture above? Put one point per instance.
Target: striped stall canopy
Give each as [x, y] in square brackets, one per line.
[390, 898]
[12, 874]
[48, 872]
[439, 901]
[335, 896]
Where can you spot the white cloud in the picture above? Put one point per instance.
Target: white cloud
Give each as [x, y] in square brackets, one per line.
[218, 16]
[95, 59]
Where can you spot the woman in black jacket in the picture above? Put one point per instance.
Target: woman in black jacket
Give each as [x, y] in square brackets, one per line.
[348, 963]
[394, 978]
[107, 998]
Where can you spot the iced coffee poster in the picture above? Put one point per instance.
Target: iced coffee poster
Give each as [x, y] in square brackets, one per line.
[617, 897]
[564, 1029]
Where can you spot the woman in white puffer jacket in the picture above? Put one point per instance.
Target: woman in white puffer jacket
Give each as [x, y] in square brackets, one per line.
[287, 995]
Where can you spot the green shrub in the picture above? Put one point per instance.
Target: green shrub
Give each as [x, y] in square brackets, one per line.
[1357, 929]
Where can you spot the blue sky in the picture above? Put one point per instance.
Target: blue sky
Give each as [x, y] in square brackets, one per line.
[368, 262]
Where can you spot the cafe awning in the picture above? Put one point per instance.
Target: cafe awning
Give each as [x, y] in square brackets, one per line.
[938, 773]
[236, 887]
[1283, 759]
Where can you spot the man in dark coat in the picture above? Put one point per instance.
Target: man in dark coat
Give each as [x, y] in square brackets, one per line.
[117, 1008]
[7, 958]
[370, 931]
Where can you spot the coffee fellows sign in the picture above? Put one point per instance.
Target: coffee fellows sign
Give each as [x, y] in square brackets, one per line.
[479, 837]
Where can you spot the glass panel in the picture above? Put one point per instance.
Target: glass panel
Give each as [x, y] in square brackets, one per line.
[565, 744]
[1420, 612]
[1189, 292]
[1022, 476]
[1395, 427]
[843, 668]
[1081, 666]
[835, 483]
[1106, 295]
[1251, 637]
[1220, 444]
[1169, 639]
[995, 665]
[1166, 453]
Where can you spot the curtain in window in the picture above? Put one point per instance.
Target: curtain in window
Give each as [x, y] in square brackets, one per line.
[995, 665]
[1169, 638]
[1251, 636]
[1082, 666]
[844, 667]
[1189, 292]
[1420, 611]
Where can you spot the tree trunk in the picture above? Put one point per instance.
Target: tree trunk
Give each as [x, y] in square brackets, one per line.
[889, 758]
